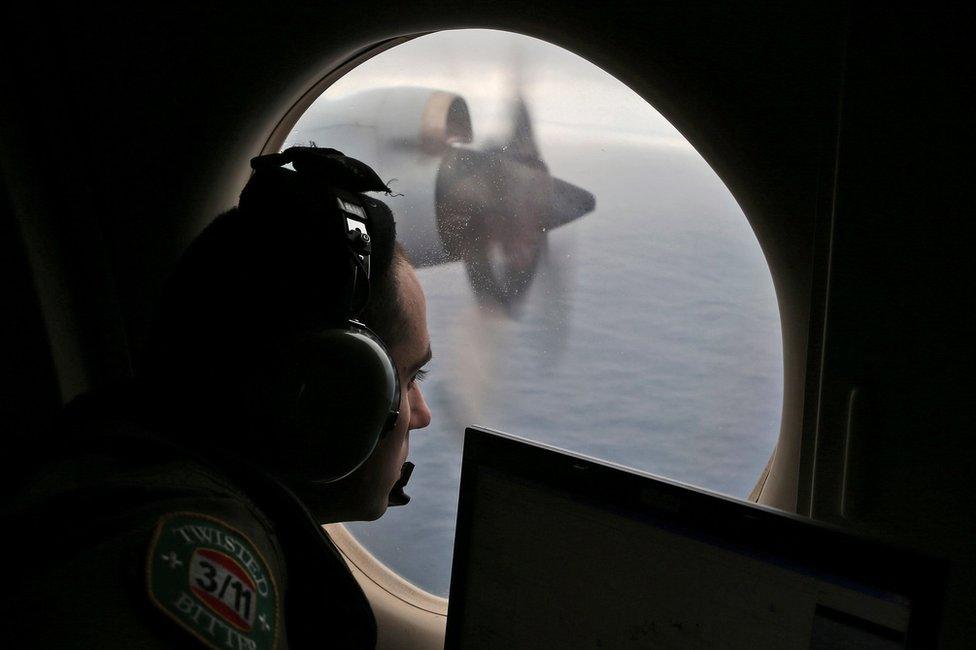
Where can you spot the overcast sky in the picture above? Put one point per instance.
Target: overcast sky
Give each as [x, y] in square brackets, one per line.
[565, 93]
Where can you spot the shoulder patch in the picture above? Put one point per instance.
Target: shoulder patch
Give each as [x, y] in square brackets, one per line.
[211, 579]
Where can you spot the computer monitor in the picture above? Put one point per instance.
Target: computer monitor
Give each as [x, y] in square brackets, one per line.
[557, 550]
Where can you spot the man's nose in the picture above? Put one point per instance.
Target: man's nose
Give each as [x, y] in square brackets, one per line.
[420, 415]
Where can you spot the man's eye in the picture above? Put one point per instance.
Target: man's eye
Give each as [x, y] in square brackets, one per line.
[421, 374]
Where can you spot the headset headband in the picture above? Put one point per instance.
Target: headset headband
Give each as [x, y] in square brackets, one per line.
[346, 178]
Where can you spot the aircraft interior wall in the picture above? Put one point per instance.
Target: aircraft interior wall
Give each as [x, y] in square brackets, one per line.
[28, 386]
[839, 129]
[893, 459]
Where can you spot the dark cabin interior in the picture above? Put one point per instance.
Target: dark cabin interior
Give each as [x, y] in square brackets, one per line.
[840, 128]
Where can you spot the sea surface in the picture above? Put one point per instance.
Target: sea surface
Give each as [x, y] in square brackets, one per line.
[651, 338]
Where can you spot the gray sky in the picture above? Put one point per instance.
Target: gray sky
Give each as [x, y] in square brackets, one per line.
[567, 94]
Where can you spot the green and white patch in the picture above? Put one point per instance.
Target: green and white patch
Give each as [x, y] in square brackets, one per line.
[210, 578]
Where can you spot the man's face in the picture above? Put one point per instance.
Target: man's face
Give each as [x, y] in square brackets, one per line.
[364, 494]
[410, 355]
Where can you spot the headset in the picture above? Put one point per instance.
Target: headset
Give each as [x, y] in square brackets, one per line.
[334, 391]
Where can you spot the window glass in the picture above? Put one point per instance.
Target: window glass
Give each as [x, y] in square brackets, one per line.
[591, 282]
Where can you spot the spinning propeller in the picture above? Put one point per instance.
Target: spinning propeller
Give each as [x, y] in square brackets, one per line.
[491, 208]
[496, 207]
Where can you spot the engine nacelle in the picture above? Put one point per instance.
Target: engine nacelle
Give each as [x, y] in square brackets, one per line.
[402, 133]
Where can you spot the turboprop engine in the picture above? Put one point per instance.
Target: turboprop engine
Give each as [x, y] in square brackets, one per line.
[492, 208]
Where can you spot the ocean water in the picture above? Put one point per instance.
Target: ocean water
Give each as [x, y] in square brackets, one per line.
[651, 338]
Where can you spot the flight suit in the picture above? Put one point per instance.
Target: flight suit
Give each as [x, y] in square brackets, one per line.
[127, 540]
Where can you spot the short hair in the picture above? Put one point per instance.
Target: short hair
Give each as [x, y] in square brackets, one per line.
[258, 274]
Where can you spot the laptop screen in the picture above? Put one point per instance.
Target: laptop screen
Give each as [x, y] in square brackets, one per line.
[558, 550]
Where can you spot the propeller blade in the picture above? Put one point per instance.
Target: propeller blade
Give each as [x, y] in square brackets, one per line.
[569, 203]
[521, 144]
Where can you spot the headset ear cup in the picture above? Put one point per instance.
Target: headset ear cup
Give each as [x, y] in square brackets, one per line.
[342, 385]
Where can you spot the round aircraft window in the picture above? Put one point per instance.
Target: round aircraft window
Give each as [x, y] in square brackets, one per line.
[591, 282]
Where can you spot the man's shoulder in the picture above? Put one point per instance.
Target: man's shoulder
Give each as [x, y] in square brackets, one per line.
[116, 547]
[214, 580]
